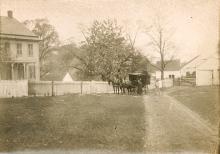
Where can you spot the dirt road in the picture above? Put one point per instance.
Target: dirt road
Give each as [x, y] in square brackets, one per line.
[172, 127]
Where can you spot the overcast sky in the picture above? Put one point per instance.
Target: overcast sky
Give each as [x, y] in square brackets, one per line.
[195, 22]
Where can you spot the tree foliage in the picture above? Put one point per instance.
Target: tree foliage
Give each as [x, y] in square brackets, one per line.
[106, 52]
[49, 40]
[103, 55]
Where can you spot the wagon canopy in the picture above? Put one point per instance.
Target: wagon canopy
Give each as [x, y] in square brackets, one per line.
[144, 77]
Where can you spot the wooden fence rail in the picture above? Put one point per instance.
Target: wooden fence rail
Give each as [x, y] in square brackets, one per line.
[50, 88]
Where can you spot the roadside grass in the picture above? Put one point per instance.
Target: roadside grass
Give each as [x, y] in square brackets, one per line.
[204, 100]
[111, 122]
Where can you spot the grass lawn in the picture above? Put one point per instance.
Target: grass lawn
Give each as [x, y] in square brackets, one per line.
[203, 100]
[72, 122]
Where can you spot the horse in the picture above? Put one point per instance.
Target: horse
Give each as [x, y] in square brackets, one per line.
[121, 85]
[116, 85]
[126, 84]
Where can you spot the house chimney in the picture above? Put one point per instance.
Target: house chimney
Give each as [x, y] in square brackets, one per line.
[10, 14]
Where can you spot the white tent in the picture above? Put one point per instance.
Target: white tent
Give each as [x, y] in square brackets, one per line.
[67, 78]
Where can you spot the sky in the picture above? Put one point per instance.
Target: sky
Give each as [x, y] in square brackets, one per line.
[195, 23]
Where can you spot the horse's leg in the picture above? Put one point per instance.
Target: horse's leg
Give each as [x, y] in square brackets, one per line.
[122, 89]
[130, 90]
[115, 90]
[135, 90]
[119, 90]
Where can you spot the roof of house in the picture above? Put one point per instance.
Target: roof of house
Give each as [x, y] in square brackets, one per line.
[12, 28]
[172, 65]
[189, 62]
[202, 61]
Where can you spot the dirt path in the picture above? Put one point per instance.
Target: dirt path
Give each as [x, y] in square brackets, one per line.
[172, 127]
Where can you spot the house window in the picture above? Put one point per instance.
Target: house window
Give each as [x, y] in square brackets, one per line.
[31, 72]
[188, 74]
[30, 50]
[19, 49]
[7, 47]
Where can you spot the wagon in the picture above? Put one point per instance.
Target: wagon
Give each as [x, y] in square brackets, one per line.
[144, 79]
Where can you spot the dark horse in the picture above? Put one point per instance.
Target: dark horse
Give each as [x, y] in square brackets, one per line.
[126, 84]
[120, 86]
[116, 85]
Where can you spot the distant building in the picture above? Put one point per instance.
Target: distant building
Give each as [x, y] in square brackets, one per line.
[188, 69]
[205, 69]
[172, 69]
[22, 48]
[208, 72]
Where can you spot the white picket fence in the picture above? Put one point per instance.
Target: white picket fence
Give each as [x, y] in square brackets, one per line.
[15, 88]
[21, 88]
[49, 88]
[166, 83]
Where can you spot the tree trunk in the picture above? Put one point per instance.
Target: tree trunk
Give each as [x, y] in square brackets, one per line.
[162, 67]
[162, 74]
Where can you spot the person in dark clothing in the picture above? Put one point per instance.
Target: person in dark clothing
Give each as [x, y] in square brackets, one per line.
[139, 90]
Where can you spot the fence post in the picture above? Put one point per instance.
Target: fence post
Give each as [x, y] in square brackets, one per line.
[52, 88]
[81, 87]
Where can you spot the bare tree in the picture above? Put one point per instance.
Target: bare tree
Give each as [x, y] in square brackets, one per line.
[161, 43]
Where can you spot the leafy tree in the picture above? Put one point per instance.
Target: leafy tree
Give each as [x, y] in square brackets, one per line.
[4, 58]
[104, 54]
[140, 63]
[49, 40]
[4, 53]
[108, 53]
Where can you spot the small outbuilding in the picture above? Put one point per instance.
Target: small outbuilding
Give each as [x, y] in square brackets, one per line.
[67, 78]
[208, 72]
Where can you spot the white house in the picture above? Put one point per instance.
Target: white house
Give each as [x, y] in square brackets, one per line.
[22, 49]
[172, 70]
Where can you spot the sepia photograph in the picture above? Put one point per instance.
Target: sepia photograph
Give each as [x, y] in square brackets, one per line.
[109, 77]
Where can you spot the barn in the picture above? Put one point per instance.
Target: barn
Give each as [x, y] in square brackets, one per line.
[204, 69]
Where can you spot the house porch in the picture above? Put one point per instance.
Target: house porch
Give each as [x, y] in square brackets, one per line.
[18, 71]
